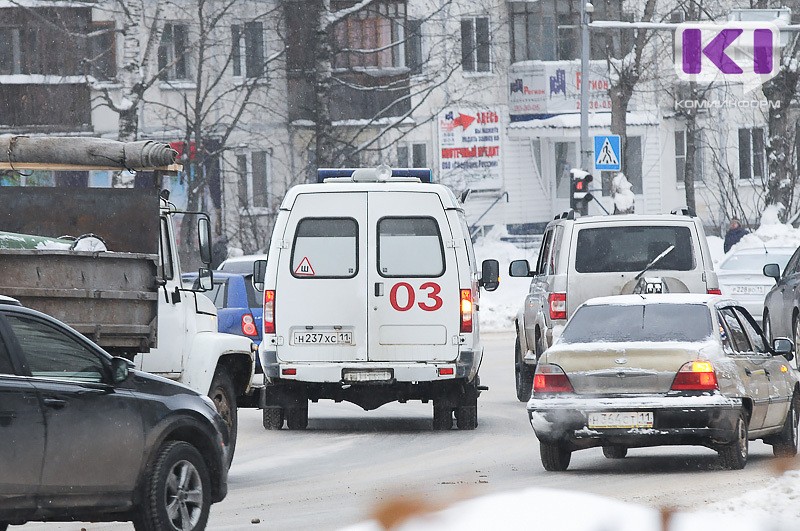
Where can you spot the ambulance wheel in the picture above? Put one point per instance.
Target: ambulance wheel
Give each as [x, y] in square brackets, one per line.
[467, 417]
[442, 415]
[272, 418]
[297, 417]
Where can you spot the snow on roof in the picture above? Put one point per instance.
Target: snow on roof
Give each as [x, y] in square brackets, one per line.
[573, 121]
[661, 298]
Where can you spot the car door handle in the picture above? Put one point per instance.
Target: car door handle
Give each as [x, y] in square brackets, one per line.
[379, 289]
[748, 372]
[55, 403]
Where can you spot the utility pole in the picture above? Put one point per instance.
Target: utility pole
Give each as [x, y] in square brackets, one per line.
[586, 152]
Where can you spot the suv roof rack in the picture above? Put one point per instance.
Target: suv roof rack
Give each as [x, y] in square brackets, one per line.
[683, 211]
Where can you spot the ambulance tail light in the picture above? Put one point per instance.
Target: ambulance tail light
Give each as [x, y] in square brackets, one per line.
[249, 325]
[557, 302]
[466, 310]
[269, 311]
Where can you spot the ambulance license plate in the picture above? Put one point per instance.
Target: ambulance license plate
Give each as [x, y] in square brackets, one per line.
[366, 376]
[322, 338]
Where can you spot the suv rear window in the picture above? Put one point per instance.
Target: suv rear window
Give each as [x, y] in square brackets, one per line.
[325, 248]
[631, 248]
[645, 322]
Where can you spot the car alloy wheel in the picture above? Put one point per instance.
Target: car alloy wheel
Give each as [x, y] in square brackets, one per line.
[734, 455]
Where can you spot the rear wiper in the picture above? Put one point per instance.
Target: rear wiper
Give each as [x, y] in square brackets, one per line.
[654, 262]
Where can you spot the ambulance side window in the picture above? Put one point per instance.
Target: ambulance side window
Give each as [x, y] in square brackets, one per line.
[325, 248]
[410, 247]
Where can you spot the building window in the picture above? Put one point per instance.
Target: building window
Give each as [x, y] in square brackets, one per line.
[102, 58]
[172, 52]
[475, 45]
[412, 155]
[752, 154]
[251, 48]
[414, 58]
[373, 37]
[680, 156]
[10, 57]
[253, 171]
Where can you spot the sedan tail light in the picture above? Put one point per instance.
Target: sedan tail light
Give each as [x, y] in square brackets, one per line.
[551, 379]
[558, 305]
[249, 325]
[269, 311]
[714, 291]
[695, 376]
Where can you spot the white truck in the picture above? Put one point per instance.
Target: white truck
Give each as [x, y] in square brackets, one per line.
[130, 299]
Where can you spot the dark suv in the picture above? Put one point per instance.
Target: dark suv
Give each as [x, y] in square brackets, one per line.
[86, 437]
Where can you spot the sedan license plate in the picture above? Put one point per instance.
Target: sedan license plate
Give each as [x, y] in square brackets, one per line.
[322, 338]
[748, 290]
[621, 419]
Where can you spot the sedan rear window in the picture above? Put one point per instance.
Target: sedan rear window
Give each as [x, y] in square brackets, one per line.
[644, 322]
[631, 248]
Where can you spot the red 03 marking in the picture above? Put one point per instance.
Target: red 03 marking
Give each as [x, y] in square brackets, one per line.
[432, 302]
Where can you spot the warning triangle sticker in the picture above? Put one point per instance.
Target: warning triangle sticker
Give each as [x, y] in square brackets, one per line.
[607, 157]
[304, 269]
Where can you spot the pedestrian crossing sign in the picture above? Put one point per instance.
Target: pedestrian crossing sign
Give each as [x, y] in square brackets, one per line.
[607, 155]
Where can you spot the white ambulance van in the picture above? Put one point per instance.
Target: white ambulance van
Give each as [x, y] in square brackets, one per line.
[370, 297]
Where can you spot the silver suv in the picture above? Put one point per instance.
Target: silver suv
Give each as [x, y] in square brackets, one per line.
[596, 256]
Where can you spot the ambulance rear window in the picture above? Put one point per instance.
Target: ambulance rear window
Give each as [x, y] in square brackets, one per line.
[325, 248]
[410, 247]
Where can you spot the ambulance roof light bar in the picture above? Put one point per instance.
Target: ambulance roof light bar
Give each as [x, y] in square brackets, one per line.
[379, 174]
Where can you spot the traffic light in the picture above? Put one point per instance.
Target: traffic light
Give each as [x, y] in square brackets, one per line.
[580, 196]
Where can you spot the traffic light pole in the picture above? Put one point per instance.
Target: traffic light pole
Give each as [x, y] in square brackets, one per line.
[586, 151]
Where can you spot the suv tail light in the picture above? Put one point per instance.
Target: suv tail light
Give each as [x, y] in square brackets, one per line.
[551, 379]
[466, 310]
[714, 291]
[249, 325]
[269, 311]
[695, 376]
[558, 305]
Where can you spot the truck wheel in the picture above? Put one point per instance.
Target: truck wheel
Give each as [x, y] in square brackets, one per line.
[442, 415]
[224, 398]
[297, 417]
[555, 456]
[272, 418]
[522, 373]
[177, 491]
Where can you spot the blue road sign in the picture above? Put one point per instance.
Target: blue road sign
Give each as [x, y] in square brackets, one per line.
[607, 156]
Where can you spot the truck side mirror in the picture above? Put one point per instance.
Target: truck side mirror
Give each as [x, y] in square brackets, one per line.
[205, 279]
[259, 274]
[773, 270]
[490, 274]
[519, 268]
[204, 238]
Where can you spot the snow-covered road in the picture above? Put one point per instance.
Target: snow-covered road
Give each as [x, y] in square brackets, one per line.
[349, 461]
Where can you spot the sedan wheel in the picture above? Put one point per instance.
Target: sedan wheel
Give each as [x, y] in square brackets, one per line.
[615, 451]
[734, 455]
[555, 456]
[178, 495]
[796, 328]
[786, 443]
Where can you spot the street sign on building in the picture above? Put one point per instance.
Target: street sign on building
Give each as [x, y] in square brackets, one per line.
[607, 155]
[470, 143]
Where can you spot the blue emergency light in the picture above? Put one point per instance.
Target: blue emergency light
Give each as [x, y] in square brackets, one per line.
[423, 174]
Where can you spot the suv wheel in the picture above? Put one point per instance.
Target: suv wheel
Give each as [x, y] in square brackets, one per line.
[272, 417]
[178, 491]
[786, 442]
[734, 455]
[297, 416]
[224, 397]
[555, 456]
[522, 373]
[442, 415]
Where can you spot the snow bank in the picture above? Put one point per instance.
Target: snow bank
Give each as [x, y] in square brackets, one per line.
[556, 509]
[499, 308]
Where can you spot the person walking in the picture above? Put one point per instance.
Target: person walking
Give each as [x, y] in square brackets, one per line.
[734, 234]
